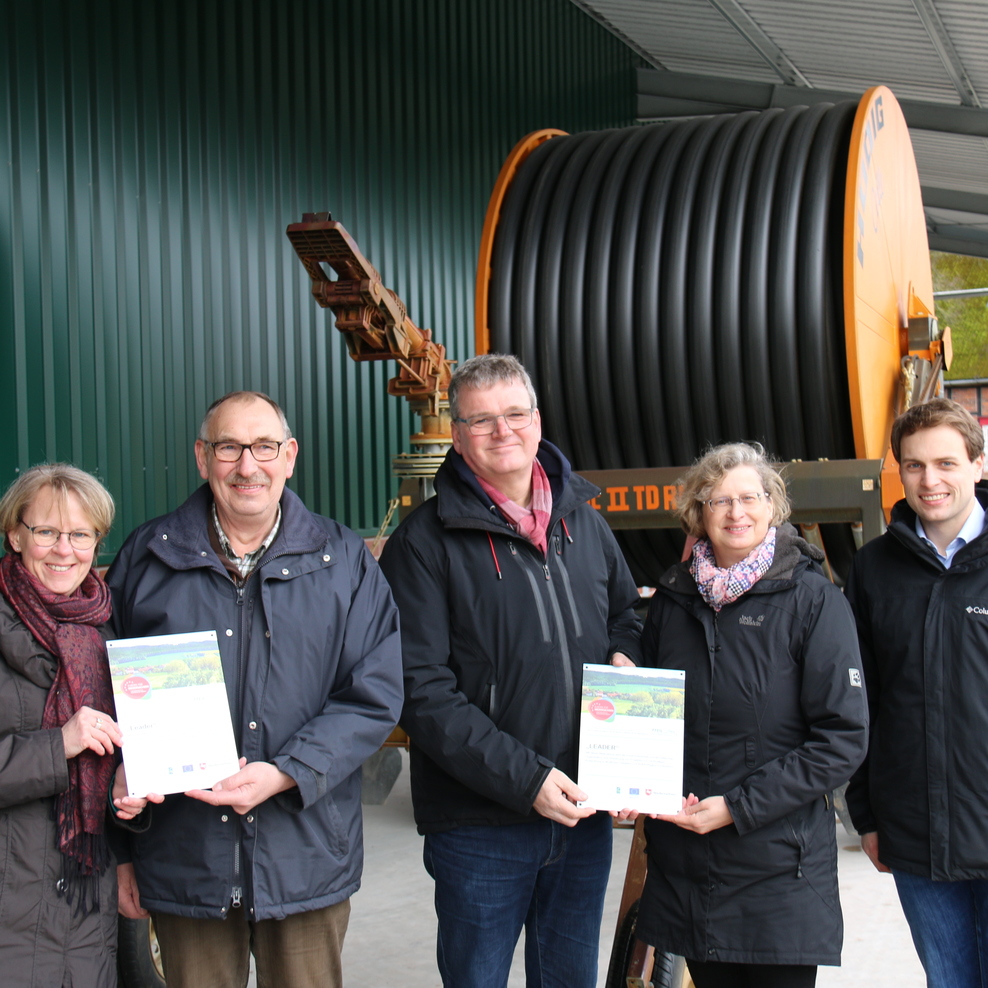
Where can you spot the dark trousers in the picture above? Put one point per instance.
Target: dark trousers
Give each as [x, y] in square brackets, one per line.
[543, 876]
[715, 974]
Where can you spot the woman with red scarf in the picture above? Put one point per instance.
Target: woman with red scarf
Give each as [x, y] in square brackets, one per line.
[58, 738]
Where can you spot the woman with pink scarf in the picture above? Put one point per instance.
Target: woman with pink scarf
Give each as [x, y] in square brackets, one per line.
[742, 882]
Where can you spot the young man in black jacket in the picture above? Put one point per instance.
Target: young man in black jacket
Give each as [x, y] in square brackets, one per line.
[507, 582]
[920, 596]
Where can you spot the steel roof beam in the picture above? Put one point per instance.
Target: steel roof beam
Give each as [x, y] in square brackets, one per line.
[678, 94]
[962, 202]
[937, 31]
[776, 58]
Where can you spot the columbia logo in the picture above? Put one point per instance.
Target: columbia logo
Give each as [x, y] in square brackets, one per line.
[976, 610]
[750, 621]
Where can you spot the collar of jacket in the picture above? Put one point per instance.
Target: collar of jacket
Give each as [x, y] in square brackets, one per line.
[903, 528]
[792, 555]
[462, 502]
[181, 539]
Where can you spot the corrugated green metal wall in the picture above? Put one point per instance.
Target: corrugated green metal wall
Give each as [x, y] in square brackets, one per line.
[152, 156]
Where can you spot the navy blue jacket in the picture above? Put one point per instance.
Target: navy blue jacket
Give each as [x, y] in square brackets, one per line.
[311, 658]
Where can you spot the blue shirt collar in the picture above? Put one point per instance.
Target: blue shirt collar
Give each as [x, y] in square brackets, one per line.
[970, 530]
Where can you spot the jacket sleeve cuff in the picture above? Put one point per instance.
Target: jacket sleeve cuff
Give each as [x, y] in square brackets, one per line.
[739, 813]
[309, 786]
[538, 780]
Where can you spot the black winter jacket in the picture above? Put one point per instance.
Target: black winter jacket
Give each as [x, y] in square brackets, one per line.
[775, 719]
[494, 637]
[924, 644]
[310, 653]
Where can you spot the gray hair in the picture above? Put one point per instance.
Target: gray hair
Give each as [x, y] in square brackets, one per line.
[484, 371]
[61, 479]
[241, 396]
[703, 476]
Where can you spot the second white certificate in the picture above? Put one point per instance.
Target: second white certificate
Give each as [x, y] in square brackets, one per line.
[631, 738]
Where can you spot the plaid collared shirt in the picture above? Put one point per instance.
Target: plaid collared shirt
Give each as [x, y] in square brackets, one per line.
[245, 564]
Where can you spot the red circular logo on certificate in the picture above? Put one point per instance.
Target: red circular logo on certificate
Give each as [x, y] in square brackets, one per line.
[135, 687]
[602, 709]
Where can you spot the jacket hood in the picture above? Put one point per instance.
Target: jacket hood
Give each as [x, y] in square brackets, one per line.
[792, 553]
[463, 503]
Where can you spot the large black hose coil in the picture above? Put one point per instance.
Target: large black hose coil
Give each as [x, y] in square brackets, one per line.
[679, 285]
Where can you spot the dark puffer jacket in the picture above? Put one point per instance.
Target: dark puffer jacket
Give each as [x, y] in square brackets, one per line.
[923, 631]
[776, 718]
[43, 941]
[494, 637]
[310, 653]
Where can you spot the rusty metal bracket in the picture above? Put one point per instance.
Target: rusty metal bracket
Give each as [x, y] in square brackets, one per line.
[372, 318]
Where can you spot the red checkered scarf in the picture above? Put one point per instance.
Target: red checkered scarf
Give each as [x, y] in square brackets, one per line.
[722, 586]
[530, 523]
[67, 625]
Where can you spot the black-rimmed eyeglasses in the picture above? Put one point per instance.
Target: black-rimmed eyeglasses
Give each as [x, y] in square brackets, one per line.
[264, 449]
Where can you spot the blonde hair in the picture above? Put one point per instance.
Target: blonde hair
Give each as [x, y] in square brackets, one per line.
[703, 476]
[62, 479]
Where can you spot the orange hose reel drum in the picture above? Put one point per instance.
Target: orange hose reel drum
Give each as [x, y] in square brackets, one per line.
[887, 275]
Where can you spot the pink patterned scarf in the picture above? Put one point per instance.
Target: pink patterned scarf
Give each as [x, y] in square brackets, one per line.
[722, 586]
[530, 523]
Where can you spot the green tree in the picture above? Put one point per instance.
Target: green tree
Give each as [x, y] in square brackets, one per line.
[966, 317]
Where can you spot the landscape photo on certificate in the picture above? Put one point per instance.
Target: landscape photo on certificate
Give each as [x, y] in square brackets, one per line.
[631, 738]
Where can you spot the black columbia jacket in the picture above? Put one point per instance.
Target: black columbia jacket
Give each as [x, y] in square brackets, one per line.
[924, 643]
[494, 637]
[775, 719]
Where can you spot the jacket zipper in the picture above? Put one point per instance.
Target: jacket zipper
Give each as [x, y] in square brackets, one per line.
[568, 587]
[546, 636]
[543, 617]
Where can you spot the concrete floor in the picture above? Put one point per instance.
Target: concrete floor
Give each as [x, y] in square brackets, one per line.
[393, 927]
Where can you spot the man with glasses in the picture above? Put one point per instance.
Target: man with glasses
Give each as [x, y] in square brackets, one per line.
[265, 861]
[507, 582]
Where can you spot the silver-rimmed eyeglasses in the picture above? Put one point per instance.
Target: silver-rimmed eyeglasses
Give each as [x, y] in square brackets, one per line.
[484, 425]
[721, 505]
[262, 450]
[82, 538]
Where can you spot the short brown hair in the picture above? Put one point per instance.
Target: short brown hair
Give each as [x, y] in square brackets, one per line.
[703, 476]
[934, 413]
[242, 396]
[63, 479]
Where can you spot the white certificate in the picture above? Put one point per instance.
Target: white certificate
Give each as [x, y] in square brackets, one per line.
[631, 738]
[173, 712]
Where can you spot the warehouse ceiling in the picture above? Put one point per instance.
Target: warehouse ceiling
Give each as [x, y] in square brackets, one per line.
[722, 56]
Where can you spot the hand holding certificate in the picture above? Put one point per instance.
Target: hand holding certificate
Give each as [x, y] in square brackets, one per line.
[631, 738]
[172, 708]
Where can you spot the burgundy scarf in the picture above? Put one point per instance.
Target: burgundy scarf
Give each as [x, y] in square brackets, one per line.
[67, 626]
[530, 524]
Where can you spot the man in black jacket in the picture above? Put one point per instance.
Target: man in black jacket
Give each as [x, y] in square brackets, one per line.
[920, 596]
[507, 582]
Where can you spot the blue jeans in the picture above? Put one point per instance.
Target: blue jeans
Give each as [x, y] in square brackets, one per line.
[492, 881]
[949, 925]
